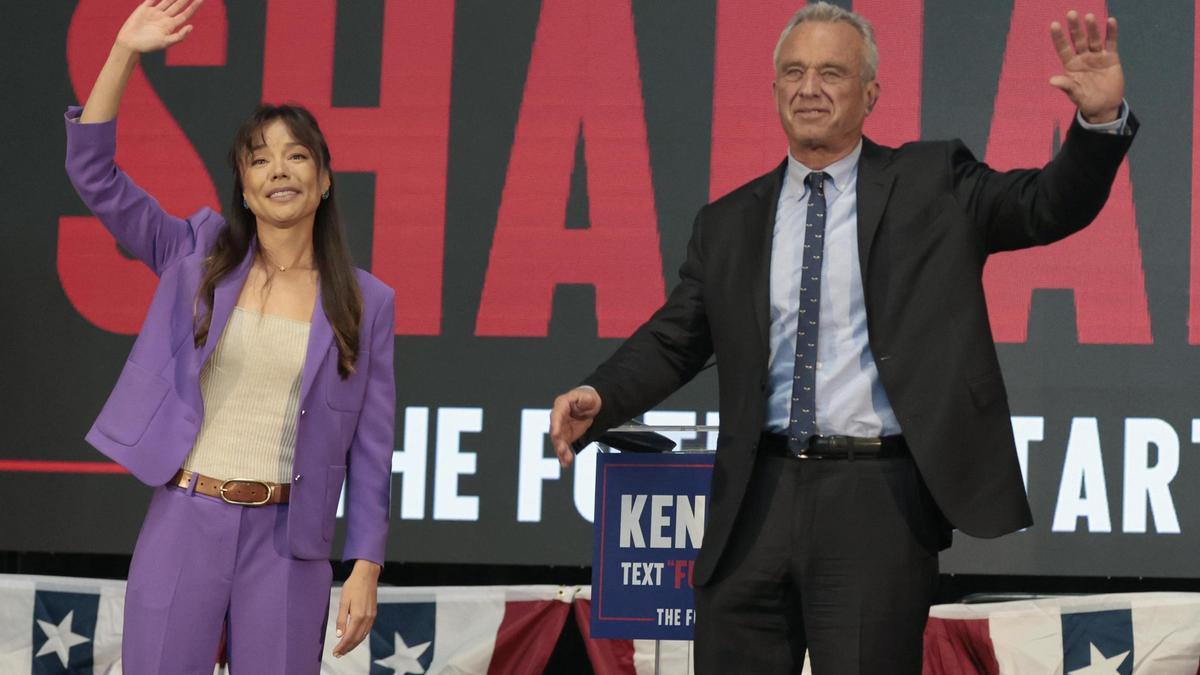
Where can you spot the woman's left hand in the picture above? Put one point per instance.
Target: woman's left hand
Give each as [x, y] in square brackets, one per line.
[356, 611]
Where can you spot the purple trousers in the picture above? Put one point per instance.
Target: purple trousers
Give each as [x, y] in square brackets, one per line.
[200, 562]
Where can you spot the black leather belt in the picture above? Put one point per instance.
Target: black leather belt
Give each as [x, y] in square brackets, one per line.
[836, 447]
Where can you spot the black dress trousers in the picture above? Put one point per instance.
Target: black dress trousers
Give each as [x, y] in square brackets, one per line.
[835, 556]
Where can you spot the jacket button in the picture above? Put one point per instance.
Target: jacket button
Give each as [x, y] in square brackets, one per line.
[303, 412]
[297, 478]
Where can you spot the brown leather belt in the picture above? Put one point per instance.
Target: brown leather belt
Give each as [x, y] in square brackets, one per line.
[239, 491]
[836, 447]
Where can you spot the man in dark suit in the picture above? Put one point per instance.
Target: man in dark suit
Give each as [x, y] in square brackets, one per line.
[863, 414]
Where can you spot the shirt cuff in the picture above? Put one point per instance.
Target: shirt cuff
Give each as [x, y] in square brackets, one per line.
[1117, 127]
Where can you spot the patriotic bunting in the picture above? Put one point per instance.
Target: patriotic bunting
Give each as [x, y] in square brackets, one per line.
[56, 625]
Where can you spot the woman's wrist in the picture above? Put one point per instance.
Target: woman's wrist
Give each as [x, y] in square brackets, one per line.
[123, 55]
[367, 567]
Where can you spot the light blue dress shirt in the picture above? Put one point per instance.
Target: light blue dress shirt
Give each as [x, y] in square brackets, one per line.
[850, 398]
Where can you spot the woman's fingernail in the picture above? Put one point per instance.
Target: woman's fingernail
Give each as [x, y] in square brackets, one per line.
[338, 633]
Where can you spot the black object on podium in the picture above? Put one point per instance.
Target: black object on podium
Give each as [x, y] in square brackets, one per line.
[627, 439]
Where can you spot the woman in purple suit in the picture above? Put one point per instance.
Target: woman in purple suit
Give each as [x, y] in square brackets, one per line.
[261, 381]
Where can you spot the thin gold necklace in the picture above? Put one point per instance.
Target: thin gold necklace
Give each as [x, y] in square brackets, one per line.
[284, 268]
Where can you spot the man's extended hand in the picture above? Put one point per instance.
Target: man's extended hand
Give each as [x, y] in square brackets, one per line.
[570, 418]
[1092, 77]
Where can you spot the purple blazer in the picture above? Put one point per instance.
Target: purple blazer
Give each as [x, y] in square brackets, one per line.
[346, 428]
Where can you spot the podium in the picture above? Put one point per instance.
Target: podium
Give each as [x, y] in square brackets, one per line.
[651, 505]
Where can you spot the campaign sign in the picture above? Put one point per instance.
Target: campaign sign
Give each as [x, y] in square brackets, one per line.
[648, 528]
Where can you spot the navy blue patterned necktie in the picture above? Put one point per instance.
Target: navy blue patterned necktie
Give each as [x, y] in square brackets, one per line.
[803, 420]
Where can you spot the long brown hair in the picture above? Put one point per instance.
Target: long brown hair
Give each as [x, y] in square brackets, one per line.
[341, 298]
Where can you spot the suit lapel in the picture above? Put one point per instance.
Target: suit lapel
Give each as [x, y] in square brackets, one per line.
[225, 297]
[874, 188]
[760, 223]
[320, 336]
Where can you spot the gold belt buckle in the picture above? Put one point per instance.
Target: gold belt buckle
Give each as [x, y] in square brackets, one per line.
[267, 486]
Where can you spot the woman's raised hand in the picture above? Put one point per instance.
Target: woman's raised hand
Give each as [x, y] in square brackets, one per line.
[157, 25]
[154, 25]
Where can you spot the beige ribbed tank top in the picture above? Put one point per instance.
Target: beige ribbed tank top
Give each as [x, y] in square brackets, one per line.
[251, 390]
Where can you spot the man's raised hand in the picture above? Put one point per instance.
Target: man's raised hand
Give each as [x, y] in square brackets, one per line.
[1092, 77]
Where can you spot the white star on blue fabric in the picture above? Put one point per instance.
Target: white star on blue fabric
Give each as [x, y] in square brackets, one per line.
[405, 660]
[60, 639]
[1101, 664]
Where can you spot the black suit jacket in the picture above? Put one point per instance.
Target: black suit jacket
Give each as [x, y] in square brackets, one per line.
[929, 214]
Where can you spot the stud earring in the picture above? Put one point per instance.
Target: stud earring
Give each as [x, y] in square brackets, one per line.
[325, 194]
[244, 204]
